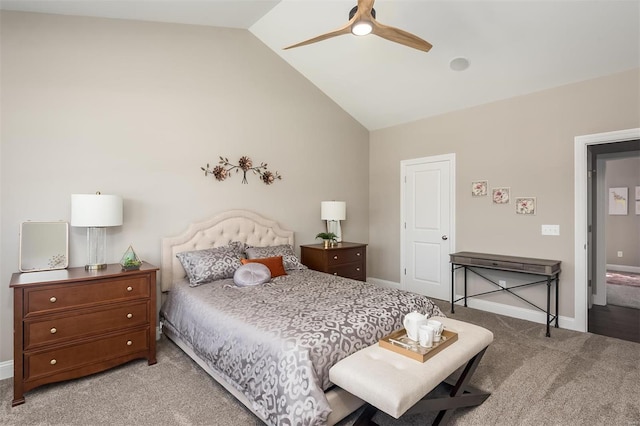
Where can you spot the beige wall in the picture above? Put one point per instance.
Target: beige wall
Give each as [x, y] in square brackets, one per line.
[135, 109]
[623, 232]
[525, 143]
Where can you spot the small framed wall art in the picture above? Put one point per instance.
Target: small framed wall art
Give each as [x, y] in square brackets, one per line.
[618, 201]
[500, 195]
[526, 205]
[479, 188]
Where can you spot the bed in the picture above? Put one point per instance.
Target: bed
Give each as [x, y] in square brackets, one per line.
[272, 345]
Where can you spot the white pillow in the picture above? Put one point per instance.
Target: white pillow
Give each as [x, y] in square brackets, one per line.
[251, 274]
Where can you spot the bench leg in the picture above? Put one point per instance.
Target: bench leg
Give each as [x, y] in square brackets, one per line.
[365, 419]
[461, 395]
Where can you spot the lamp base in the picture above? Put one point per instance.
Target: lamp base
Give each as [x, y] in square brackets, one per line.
[95, 267]
[334, 227]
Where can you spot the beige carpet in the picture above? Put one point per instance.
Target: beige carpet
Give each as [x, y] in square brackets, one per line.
[623, 289]
[569, 379]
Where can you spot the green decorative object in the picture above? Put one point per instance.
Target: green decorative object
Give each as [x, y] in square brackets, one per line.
[329, 238]
[130, 260]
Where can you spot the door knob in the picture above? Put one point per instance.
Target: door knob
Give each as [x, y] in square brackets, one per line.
[444, 237]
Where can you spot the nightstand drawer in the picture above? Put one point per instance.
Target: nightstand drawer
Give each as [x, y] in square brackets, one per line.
[69, 327]
[74, 357]
[338, 257]
[48, 299]
[351, 270]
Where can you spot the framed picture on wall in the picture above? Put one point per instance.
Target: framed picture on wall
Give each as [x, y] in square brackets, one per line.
[479, 188]
[526, 205]
[500, 195]
[637, 206]
[618, 201]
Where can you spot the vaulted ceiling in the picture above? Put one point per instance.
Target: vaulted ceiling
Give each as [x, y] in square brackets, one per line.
[513, 47]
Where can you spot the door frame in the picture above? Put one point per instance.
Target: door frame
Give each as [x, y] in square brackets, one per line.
[581, 232]
[451, 158]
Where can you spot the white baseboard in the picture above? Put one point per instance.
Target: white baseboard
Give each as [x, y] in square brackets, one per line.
[6, 369]
[383, 283]
[517, 312]
[497, 308]
[624, 268]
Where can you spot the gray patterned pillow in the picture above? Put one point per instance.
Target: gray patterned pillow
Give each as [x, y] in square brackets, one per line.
[289, 258]
[203, 266]
[251, 274]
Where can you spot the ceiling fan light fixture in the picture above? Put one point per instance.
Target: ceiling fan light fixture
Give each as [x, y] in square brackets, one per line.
[362, 27]
[459, 64]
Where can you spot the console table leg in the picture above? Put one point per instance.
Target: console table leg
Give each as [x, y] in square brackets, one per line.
[557, 285]
[453, 287]
[465, 286]
[549, 304]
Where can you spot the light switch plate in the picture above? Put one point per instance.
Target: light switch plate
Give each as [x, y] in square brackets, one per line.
[550, 229]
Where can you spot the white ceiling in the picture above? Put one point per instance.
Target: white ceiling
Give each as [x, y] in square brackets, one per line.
[514, 47]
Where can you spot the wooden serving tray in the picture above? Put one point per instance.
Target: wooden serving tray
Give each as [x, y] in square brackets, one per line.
[416, 351]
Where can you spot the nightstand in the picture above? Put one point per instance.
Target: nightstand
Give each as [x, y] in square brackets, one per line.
[347, 260]
[70, 323]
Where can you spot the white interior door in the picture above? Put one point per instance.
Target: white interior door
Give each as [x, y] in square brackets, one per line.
[427, 225]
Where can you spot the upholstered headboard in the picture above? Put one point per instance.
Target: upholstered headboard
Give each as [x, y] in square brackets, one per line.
[233, 225]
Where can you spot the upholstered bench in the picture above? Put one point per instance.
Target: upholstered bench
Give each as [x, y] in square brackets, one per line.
[397, 384]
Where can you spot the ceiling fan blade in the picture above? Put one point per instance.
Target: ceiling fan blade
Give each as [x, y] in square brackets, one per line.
[365, 7]
[340, 31]
[400, 36]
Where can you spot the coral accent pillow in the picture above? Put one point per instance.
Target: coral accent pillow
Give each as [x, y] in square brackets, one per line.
[273, 263]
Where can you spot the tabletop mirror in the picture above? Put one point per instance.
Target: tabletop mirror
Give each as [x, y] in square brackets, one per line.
[44, 246]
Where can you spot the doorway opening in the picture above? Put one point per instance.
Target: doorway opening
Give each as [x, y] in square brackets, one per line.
[614, 260]
[583, 244]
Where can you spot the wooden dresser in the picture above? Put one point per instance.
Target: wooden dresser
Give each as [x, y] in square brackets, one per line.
[71, 323]
[347, 260]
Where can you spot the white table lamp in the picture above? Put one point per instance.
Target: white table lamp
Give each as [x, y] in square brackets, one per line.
[96, 212]
[333, 212]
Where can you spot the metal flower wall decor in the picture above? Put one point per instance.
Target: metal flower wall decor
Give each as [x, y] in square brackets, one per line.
[245, 164]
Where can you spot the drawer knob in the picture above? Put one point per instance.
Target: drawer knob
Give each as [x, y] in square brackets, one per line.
[358, 269]
[335, 273]
[129, 343]
[129, 288]
[53, 362]
[54, 330]
[335, 257]
[53, 300]
[129, 315]
[358, 254]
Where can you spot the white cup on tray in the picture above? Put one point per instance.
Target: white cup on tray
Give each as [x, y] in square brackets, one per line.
[426, 335]
[437, 327]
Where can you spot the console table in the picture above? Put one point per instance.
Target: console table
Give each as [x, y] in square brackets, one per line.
[470, 261]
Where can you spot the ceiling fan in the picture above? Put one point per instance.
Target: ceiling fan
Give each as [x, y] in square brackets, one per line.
[362, 22]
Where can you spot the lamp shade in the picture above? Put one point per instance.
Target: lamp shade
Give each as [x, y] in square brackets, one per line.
[96, 210]
[333, 210]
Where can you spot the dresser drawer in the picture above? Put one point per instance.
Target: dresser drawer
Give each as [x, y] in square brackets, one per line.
[73, 357]
[337, 257]
[84, 324]
[51, 298]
